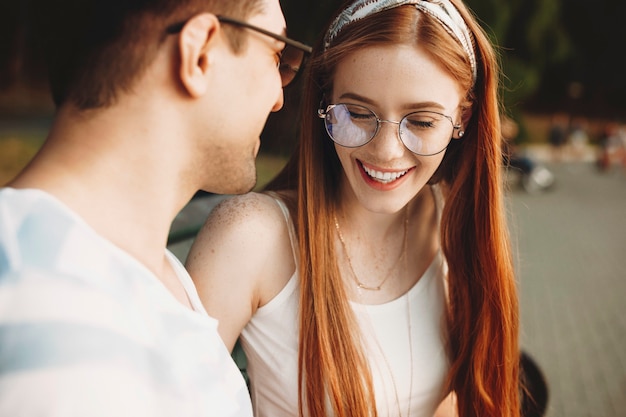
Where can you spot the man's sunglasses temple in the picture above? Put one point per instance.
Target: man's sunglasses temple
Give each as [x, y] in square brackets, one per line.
[288, 41]
[177, 27]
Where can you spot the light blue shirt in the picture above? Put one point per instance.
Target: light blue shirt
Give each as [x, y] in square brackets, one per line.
[87, 330]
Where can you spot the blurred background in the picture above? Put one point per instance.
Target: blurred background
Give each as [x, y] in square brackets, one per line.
[558, 56]
[564, 92]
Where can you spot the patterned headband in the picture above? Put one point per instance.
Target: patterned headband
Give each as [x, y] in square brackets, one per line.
[442, 10]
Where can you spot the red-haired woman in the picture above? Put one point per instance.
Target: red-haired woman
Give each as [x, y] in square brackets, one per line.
[374, 276]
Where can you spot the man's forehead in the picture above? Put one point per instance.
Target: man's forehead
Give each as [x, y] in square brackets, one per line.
[270, 17]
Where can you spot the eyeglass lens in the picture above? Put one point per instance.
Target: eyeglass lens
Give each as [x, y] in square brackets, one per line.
[290, 62]
[423, 132]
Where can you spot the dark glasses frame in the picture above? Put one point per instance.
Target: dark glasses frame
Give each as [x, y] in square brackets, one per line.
[284, 66]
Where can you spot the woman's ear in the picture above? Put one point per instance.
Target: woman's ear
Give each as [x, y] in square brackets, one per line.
[197, 42]
[466, 115]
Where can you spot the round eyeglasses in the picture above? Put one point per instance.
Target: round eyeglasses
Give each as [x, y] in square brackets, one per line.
[424, 133]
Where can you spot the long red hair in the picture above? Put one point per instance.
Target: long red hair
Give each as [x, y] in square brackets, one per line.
[483, 308]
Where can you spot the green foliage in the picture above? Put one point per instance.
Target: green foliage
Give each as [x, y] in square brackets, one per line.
[530, 37]
[16, 150]
[495, 16]
[546, 46]
[267, 166]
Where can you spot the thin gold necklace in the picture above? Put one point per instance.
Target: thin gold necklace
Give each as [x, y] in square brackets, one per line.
[359, 284]
[409, 324]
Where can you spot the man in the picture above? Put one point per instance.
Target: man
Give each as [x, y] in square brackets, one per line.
[155, 100]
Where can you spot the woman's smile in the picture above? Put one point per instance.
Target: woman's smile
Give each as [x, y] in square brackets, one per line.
[381, 178]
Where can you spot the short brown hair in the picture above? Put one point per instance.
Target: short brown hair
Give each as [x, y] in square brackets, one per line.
[95, 49]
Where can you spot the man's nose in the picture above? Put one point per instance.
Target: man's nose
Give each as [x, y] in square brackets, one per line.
[280, 100]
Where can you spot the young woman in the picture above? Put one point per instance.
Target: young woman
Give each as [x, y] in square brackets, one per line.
[374, 276]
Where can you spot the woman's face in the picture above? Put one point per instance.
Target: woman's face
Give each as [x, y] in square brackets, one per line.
[392, 81]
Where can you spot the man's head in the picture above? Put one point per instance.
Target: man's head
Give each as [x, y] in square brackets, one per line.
[97, 49]
[234, 94]
[208, 84]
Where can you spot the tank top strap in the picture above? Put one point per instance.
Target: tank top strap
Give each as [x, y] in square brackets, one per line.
[439, 203]
[290, 227]
[439, 200]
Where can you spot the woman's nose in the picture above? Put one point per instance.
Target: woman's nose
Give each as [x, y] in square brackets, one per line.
[387, 143]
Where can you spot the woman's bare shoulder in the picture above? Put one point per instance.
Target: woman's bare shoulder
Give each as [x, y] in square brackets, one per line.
[244, 243]
[247, 210]
[242, 218]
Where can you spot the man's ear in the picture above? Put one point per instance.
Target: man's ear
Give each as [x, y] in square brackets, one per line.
[197, 42]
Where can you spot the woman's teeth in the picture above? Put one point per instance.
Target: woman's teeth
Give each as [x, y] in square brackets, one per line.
[384, 177]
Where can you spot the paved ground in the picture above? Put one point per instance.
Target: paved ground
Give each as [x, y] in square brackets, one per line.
[571, 245]
[571, 261]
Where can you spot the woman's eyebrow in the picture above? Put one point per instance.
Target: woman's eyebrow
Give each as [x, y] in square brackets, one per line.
[408, 106]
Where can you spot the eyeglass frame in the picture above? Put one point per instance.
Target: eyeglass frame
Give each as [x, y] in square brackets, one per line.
[323, 113]
[177, 27]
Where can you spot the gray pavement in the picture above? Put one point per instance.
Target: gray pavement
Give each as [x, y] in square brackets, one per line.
[570, 245]
[571, 263]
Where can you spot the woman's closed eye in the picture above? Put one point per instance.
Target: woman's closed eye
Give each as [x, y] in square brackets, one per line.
[422, 122]
[361, 115]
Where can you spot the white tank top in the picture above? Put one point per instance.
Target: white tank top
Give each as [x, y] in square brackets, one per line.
[270, 341]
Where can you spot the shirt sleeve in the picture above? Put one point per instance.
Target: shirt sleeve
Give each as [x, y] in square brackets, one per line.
[65, 351]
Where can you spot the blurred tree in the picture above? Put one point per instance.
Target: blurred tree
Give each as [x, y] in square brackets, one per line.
[591, 81]
[529, 34]
[560, 56]
[555, 54]
[531, 37]
[7, 44]
[18, 59]
[23, 85]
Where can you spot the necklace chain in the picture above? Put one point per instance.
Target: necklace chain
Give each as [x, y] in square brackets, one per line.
[362, 286]
[393, 380]
[408, 314]
[359, 284]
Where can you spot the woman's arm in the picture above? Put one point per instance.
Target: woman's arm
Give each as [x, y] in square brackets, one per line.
[240, 260]
[447, 408]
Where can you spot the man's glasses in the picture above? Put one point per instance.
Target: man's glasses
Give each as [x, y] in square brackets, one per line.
[424, 133]
[291, 57]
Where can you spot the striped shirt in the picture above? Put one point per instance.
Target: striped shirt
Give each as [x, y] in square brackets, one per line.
[87, 330]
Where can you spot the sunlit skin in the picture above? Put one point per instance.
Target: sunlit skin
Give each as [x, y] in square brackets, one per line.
[380, 178]
[368, 228]
[392, 81]
[192, 120]
[231, 163]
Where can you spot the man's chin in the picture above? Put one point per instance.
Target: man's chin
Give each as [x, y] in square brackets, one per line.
[247, 189]
[239, 186]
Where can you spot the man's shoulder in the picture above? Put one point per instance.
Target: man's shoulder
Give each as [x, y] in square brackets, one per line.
[63, 336]
[20, 206]
[58, 328]
[36, 229]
